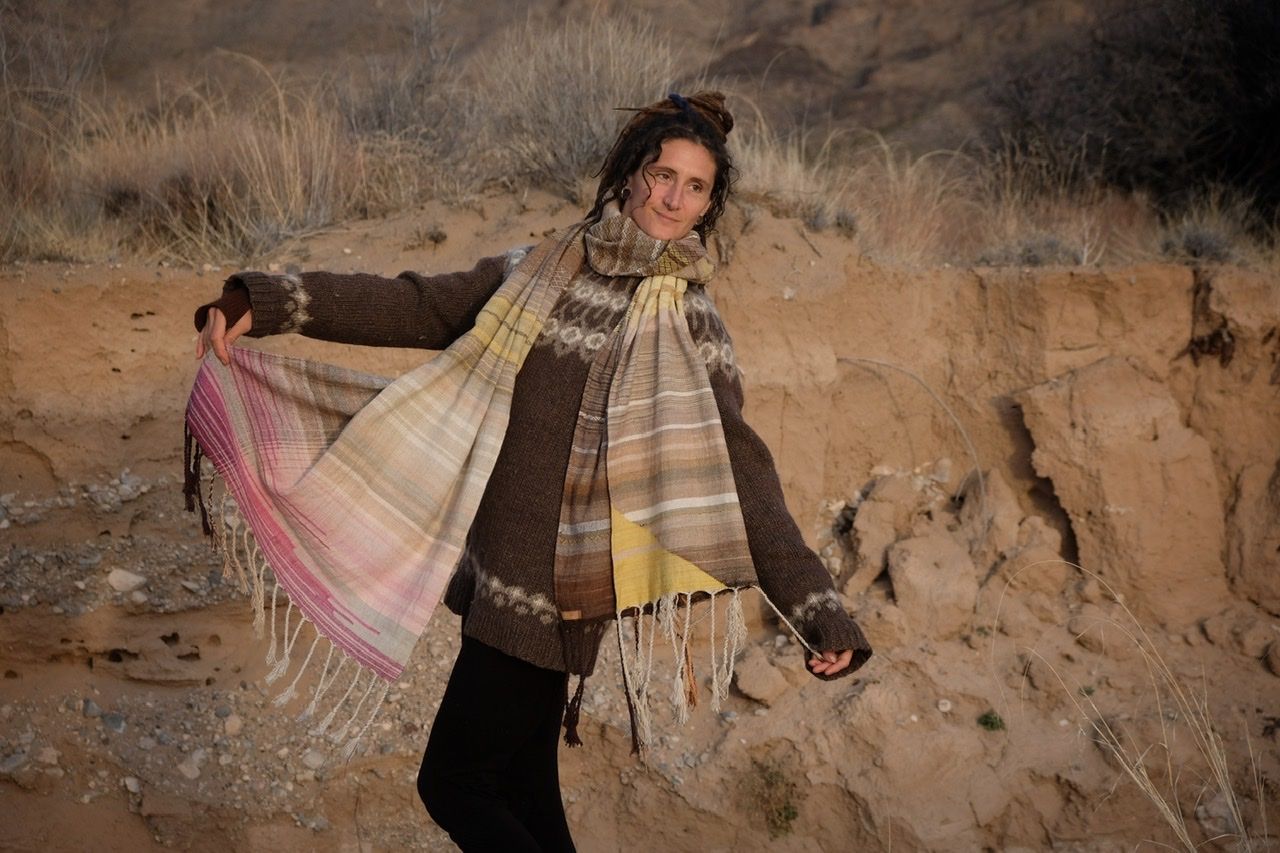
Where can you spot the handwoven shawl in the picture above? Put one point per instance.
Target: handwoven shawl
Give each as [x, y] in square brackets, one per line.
[359, 491]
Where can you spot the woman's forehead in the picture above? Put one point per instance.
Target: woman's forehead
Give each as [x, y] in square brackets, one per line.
[687, 157]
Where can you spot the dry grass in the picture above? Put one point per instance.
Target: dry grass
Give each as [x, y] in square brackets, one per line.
[1174, 791]
[201, 175]
[549, 104]
[792, 174]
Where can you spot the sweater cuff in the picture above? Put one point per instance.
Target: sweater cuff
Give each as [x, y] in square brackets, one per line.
[234, 304]
[823, 623]
[279, 302]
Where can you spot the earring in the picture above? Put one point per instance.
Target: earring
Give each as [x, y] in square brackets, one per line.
[624, 195]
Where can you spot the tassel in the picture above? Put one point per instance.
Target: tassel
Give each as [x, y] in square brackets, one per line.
[572, 711]
[191, 457]
[690, 681]
[333, 712]
[627, 690]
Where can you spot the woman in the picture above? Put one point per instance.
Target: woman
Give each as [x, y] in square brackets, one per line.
[627, 482]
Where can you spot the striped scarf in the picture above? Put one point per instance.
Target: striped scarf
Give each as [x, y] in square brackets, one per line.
[312, 457]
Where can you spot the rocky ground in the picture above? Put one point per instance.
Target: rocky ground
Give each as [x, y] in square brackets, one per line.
[1112, 424]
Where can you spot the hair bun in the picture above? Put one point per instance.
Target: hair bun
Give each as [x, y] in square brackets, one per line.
[710, 105]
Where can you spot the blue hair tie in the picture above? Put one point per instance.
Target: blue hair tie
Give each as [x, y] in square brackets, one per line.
[679, 101]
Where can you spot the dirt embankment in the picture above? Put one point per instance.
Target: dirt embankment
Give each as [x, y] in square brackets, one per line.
[1126, 419]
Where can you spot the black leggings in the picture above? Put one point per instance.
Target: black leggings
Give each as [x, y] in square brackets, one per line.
[490, 776]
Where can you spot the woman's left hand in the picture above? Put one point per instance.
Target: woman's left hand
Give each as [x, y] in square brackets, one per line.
[830, 662]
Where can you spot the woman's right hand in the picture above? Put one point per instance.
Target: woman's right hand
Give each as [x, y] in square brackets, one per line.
[216, 336]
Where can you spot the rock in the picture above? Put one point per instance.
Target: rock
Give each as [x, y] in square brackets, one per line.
[91, 709]
[146, 744]
[123, 580]
[934, 583]
[131, 486]
[233, 725]
[1214, 816]
[315, 823]
[114, 721]
[1099, 631]
[313, 759]
[1139, 486]
[1254, 537]
[190, 766]
[992, 517]
[34, 779]
[881, 519]
[138, 597]
[1254, 639]
[1240, 630]
[1035, 563]
[132, 784]
[222, 711]
[758, 679]
[48, 755]
[192, 587]
[885, 625]
[12, 762]
[1272, 658]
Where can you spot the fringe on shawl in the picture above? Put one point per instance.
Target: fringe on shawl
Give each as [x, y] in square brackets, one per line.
[638, 632]
[670, 622]
[366, 692]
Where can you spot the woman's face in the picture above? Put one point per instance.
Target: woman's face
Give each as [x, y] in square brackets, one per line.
[669, 195]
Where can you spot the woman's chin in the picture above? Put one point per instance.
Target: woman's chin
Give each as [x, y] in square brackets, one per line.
[660, 229]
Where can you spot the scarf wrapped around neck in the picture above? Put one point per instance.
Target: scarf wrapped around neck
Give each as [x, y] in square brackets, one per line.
[314, 459]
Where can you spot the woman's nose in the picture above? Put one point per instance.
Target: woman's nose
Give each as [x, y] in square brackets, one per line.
[673, 197]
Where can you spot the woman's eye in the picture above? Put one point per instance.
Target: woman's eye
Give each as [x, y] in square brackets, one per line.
[697, 188]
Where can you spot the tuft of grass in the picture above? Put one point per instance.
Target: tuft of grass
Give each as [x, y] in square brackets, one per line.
[775, 794]
[1214, 228]
[1161, 782]
[792, 175]
[551, 97]
[991, 721]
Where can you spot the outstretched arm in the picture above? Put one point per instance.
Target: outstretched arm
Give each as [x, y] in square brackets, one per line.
[410, 310]
[791, 575]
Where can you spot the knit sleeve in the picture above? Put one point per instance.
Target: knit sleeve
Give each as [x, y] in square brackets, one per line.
[790, 573]
[410, 310]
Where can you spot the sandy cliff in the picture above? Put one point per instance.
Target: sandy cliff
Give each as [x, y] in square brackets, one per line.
[1125, 419]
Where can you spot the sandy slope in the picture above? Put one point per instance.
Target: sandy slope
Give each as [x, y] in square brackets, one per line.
[132, 718]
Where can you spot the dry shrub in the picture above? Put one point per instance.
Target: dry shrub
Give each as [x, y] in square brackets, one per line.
[911, 210]
[900, 208]
[1166, 96]
[550, 93]
[1215, 227]
[789, 173]
[1037, 210]
[411, 94]
[202, 178]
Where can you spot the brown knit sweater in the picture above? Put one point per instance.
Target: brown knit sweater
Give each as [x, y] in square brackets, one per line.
[503, 586]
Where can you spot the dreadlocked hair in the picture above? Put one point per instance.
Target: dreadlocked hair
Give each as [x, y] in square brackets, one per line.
[700, 118]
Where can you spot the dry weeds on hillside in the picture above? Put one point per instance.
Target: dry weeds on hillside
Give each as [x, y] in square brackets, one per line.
[205, 171]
